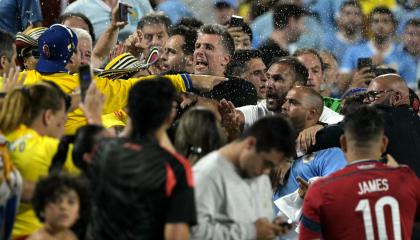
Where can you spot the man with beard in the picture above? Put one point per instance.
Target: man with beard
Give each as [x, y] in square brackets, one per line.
[349, 32]
[213, 50]
[283, 74]
[177, 52]
[411, 45]
[380, 48]
[390, 94]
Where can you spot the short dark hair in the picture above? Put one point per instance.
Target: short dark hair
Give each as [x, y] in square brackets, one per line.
[352, 99]
[283, 12]
[238, 62]
[85, 139]
[153, 19]
[7, 41]
[227, 40]
[49, 189]
[352, 3]
[364, 125]
[190, 22]
[65, 16]
[149, 103]
[312, 51]
[273, 132]
[236, 90]
[413, 22]
[382, 10]
[301, 73]
[189, 35]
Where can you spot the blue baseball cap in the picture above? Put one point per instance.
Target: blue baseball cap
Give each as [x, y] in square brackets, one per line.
[56, 46]
[229, 3]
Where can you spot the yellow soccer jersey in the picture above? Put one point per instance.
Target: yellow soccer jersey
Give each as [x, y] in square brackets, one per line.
[32, 154]
[76, 119]
[115, 91]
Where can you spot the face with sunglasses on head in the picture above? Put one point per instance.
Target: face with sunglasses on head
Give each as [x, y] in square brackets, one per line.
[29, 57]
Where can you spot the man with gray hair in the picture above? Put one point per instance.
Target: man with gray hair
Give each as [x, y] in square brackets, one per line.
[213, 50]
[83, 53]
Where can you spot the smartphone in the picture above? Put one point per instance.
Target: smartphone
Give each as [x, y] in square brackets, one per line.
[123, 12]
[85, 78]
[236, 21]
[364, 62]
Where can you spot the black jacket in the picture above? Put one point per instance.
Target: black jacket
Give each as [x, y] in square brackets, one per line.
[402, 127]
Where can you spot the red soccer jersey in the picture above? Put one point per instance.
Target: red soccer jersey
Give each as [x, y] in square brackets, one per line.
[365, 200]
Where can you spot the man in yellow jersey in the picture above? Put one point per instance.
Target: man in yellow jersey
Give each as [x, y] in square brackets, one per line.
[58, 44]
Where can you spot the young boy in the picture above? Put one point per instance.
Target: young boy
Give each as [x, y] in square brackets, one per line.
[58, 202]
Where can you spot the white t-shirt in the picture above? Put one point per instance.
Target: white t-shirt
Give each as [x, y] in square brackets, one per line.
[254, 112]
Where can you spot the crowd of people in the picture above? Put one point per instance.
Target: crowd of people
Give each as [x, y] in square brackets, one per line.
[209, 119]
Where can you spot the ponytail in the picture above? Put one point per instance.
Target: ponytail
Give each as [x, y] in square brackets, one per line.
[14, 110]
[60, 156]
[23, 105]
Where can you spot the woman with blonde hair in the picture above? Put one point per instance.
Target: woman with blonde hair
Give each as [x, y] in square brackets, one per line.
[32, 119]
[198, 133]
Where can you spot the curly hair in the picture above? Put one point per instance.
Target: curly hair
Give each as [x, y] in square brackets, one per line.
[49, 189]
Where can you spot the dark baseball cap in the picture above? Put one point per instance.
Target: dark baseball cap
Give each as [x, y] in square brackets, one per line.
[56, 46]
[226, 3]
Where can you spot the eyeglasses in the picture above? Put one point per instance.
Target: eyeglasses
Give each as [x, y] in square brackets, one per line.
[374, 95]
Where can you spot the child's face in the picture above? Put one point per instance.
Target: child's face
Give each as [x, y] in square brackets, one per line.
[64, 211]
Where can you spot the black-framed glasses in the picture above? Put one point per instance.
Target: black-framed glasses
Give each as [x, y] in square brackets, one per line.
[374, 95]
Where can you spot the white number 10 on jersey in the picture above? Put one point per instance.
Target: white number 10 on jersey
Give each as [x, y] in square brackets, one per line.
[364, 207]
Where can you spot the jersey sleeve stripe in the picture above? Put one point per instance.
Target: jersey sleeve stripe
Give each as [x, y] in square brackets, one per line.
[186, 164]
[310, 224]
[170, 180]
[187, 81]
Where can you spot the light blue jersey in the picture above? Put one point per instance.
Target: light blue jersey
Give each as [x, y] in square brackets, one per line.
[318, 164]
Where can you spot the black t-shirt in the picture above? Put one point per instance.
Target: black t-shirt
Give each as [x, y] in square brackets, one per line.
[137, 188]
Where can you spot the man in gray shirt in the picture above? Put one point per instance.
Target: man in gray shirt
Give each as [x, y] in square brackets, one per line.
[233, 194]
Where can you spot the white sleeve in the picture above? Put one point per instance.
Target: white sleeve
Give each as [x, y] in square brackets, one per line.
[328, 116]
[252, 113]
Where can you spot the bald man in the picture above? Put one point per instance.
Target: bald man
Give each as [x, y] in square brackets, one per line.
[303, 106]
[389, 93]
[388, 89]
